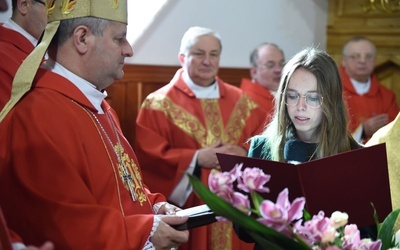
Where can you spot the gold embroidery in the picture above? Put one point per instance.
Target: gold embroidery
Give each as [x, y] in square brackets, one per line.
[237, 121]
[221, 236]
[213, 120]
[50, 6]
[127, 168]
[133, 171]
[67, 6]
[214, 128]
[178, 116]
[115, 4]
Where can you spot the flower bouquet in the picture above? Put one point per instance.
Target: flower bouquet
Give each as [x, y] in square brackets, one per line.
[283, 224]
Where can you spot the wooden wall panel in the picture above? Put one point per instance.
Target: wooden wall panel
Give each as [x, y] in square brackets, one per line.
[127, 95]
[358, 18]
[117, 99]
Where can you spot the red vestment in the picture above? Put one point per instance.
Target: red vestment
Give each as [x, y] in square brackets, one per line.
[61, 172]
[14, 48]
[377, 100]
[7, 236]
[5, 241]
[262, 96]
[172, 124]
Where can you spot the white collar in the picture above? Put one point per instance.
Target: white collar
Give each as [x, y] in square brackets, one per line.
[361, 87]
[10, 24]
[209, 92]
[88, 89]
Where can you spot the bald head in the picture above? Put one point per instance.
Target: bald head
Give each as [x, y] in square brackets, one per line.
[266, 65]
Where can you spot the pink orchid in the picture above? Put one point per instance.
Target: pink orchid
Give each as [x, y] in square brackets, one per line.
[368, 244]
[352, 240]
[253, 179]
[220, 182]
[320, 233]
[331, 248]
[318, 229]
[351, 236]
[241, 202]
[280, 215]
[236, 171]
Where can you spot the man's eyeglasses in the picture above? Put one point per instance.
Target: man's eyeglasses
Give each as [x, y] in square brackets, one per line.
[313, 100]
[38, 1]
[270, 66]
[359, 57]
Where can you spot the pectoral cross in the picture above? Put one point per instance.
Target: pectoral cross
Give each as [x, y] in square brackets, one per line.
[127, 178]
[125, 175]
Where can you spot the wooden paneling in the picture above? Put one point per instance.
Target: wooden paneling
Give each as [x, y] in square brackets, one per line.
[127, 95]
[357, 18]
[350, 18]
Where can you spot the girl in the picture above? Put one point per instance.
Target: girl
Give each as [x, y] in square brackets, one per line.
[310, 114]
[309, 107]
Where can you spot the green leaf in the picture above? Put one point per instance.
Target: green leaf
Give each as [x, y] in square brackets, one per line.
[256, 199]
[306, 215]
[264, 242]
[265, 236]
[385, 232]
[376, 219]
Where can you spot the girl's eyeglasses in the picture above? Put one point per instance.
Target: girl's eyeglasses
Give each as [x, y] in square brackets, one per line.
[313, 100]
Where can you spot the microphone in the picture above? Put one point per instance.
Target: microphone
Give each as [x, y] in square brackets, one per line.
[296, 151]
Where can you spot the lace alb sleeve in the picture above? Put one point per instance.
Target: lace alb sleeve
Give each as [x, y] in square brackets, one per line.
[149, 245]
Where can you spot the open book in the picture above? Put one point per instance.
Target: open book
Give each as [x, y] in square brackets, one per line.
[348, 182]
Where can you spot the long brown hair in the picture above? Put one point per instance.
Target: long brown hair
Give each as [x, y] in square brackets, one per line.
[332, 133]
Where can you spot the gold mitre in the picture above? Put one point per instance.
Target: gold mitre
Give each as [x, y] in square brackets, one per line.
[114, 10]
[58, 10]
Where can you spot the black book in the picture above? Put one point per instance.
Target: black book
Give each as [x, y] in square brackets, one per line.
[198, 216]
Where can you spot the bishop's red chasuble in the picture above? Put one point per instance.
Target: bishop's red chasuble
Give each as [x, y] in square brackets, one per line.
[68, 175]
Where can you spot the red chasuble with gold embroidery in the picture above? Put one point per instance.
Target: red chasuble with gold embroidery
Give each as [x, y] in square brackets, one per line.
[172, 124]
[67, 174]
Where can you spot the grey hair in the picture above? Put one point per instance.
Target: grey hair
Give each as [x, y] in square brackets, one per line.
[191, 35]
[356, 39]
[254, 53]
[95, 25]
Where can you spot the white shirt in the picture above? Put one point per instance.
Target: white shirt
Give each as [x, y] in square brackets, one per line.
[361, 87]
[10, 24]
[201, 92]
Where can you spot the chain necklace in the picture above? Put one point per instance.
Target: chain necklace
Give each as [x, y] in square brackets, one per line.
[126, 176]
